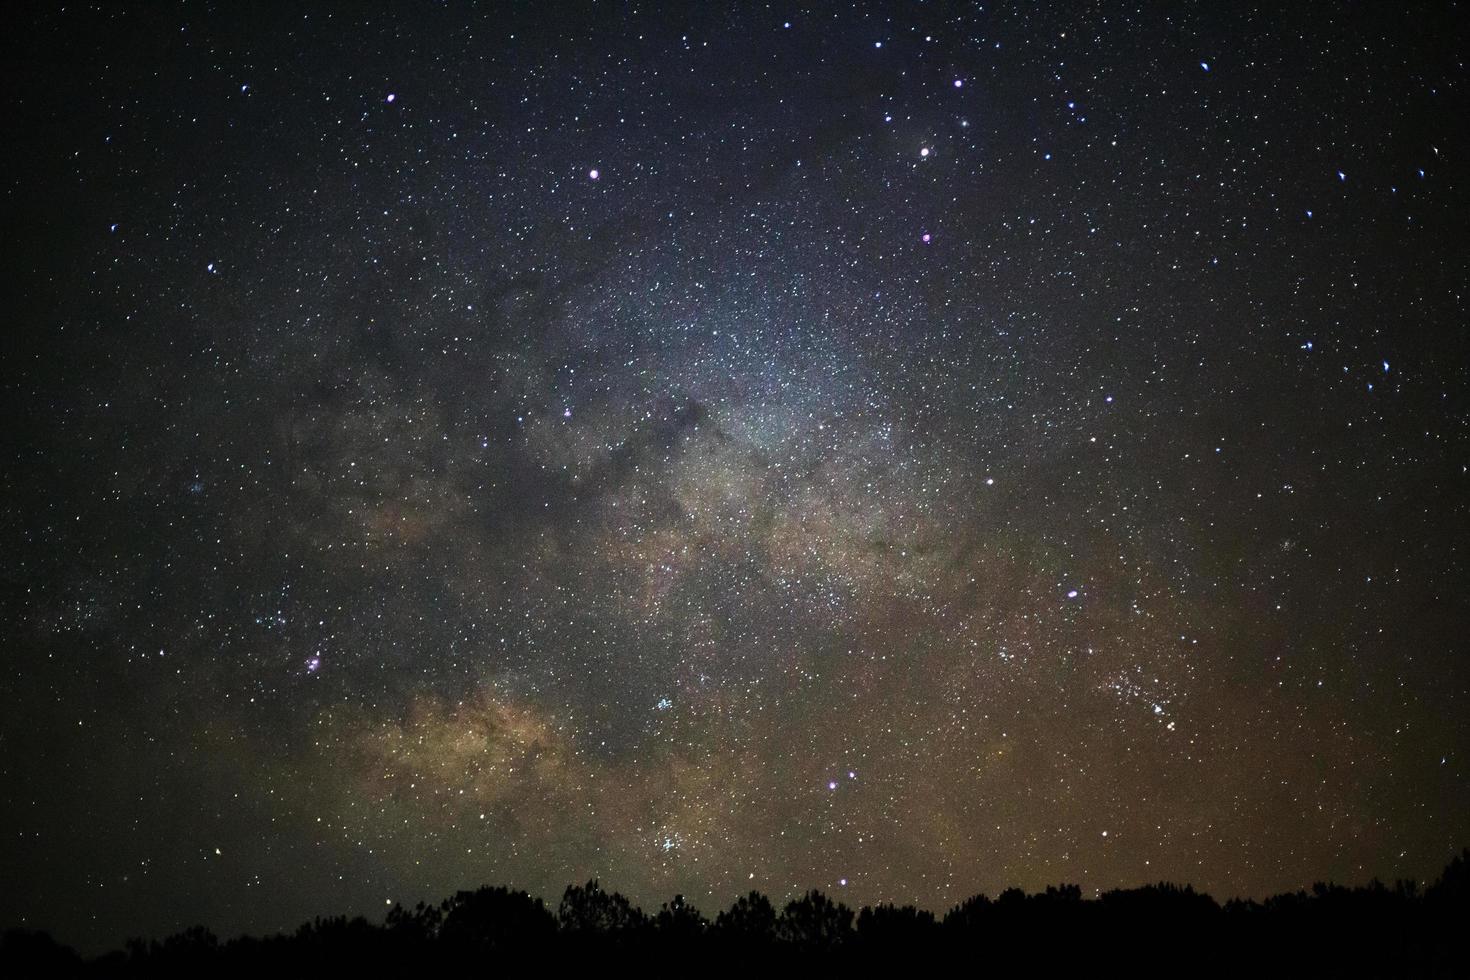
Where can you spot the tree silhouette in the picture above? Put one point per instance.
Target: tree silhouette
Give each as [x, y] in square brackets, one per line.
[1453, 887]
[1329, 929]
[680, 920]
[588, 911]
[31, 953]
[967, 917]
[815, 922]
[418, 925]
[889, 927]
[749, 923]
[492, 920]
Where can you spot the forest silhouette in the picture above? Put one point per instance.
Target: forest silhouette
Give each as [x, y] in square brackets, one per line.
[1369, 930]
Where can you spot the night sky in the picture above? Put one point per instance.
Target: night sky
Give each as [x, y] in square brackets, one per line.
[903, 451]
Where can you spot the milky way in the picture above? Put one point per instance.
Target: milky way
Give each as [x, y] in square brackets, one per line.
[905, 451]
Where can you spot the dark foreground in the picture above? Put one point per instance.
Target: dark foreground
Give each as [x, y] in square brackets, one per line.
[1371, 930]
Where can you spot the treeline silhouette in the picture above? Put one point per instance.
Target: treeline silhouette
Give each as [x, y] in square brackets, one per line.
[1371, 930]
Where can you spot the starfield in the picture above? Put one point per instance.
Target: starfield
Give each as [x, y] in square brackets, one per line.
[891, 452]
